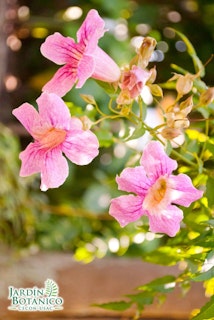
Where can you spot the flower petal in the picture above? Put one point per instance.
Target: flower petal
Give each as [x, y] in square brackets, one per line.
[85, 70]
[54, 111]
[134, 180]
[184, 193]
[91, 30]
[58, 48]
[28, 116]
[32, 159]
[81, 147]
[62, 81]
[156, 162]
[75, 123]
[166, 221]
[54, 170]
[126, 209]
[106, 68]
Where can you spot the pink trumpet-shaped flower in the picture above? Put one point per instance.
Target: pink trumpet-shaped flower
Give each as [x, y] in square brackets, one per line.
[80, 60]
[156, 191]
[55, 132]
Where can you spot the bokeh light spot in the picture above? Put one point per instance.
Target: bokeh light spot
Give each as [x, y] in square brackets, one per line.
[72, 13]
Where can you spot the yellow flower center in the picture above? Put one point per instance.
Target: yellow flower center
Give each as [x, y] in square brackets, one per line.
[50, 138]
[158, 196]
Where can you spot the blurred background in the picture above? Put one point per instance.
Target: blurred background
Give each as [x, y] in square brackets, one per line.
[75, 216]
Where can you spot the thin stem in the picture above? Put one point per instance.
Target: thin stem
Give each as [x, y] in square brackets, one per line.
[111, 109]
[106, 117]
[178, 155]
[99, 110]
[205, 142]
[140, 108]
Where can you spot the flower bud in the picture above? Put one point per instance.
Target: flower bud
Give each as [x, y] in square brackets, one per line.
[153, 75]
[170, 133]
[181, 123]
[170, 118]
[207, 96]
[184, 84]
[186, 106]
[145, 51]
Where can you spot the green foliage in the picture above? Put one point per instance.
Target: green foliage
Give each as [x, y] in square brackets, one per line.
[207, 311]
[20, 202]
[117, 306]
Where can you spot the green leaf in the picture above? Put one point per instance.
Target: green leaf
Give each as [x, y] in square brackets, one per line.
[207, 311]
[117, 306]
[51, 288]
[142, 298]
[204, 275]
[209, 191]
[163, 284]
[191, 51]
[210, 146]
[138, 132]
[107, 86]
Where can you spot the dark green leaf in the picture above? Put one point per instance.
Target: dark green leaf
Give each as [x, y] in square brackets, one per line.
[204, 275]
[142, 299]
[209, 191]
[163, 284]
[108, 87]
[138, 132]
[207, 311]
[117, 306]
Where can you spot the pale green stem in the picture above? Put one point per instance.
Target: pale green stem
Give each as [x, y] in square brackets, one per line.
[106, 117]
[206, 132]
[98, 110]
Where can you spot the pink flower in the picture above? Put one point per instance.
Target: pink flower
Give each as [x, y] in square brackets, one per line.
[55, 132]
[81, 60]
[132, 84]
[156, 189]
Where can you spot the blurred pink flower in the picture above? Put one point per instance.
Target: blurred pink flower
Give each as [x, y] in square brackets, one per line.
[55, 132]
[132, 84]
[81, 60]
[156, 189]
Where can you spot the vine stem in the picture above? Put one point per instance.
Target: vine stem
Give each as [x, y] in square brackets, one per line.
[178, 155]
[106, 117]
[205, 142]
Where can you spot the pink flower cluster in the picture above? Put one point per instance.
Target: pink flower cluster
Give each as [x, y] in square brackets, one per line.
[54, 131]
[57, 135]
